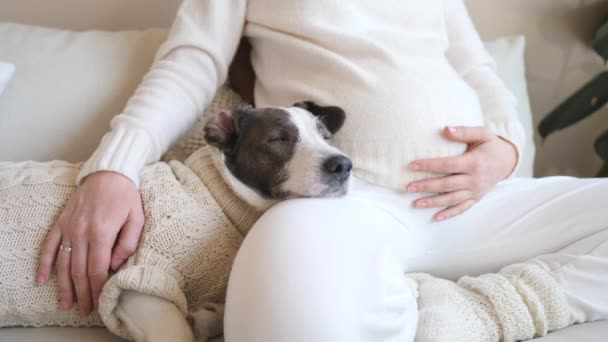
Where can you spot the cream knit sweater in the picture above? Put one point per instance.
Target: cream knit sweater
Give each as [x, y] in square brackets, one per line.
[194, 226]
[402, 70]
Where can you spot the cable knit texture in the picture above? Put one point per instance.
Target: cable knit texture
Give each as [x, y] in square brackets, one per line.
[194, 226]
[31, 197]
[225, 98]
[520, 302]
[402, 70]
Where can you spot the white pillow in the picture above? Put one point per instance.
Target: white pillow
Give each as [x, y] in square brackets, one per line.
[511, 67]
[69, 86]
[6, 73]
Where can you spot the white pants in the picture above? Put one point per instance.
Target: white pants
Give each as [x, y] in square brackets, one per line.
[333, 270]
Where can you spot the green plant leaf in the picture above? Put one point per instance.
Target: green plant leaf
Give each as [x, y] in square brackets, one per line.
[583, 103]
[600, 42]
[601, 146]
[604, 171]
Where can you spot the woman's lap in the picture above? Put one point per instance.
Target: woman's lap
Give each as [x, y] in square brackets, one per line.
[316, 259]
[519, 220]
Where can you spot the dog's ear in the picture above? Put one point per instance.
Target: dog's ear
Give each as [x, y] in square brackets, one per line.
[332, 117]
[221, 129]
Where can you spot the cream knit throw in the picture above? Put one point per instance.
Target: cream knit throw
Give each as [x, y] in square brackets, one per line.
[519, 303]
[194, 226]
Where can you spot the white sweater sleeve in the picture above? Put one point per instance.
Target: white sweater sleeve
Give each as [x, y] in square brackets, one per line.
[469, 57]
[188, 69]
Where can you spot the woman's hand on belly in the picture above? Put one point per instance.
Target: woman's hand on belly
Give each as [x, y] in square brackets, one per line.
[488, 160]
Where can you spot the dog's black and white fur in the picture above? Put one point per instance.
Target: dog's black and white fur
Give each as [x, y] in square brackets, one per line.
[273, 154]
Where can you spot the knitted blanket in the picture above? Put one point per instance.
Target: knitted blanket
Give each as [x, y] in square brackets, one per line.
[194, 225]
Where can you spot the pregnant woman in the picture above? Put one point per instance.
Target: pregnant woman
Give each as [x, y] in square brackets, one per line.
[434, 137]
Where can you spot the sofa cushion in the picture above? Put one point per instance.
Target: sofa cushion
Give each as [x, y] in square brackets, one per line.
[511, 67]
[67, 88]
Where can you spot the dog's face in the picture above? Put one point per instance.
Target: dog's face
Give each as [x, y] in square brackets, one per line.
[282, 153]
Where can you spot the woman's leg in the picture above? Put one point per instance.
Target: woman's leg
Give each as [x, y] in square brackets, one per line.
[322, 270]
[564, 219]
[519, 220]
[306, 270]
[522, 301]
[581, 270]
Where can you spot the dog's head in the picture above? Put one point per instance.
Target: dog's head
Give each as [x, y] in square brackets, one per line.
[271, 154]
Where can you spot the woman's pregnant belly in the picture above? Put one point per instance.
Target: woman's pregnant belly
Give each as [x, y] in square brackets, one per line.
[394, 116]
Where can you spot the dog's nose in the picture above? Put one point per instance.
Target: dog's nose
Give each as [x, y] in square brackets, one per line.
[340, 166]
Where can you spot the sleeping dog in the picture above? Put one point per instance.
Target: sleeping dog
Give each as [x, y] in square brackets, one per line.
[196, 215]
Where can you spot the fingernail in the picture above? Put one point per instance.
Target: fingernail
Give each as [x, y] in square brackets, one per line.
[412, 188]
[63, 305]
[440, 218]
[41, 279]
[453, 130]
[414, 166]
[422, 204]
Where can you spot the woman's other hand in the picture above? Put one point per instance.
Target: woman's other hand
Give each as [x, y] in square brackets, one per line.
[488, 160]
[106, 207]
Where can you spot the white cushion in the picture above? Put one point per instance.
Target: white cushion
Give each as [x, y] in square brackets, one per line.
[68, 87]
[6, 73]
[509, 55]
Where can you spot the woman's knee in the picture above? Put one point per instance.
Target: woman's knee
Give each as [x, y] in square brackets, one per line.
[317, 270]
[309, 237]
[313, 224]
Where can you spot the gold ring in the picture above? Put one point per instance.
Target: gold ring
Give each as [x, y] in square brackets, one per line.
[65, 249]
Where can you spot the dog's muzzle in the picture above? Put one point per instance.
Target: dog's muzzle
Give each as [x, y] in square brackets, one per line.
[338, 168]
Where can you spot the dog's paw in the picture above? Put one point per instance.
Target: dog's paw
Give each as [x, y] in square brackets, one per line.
[207, 321]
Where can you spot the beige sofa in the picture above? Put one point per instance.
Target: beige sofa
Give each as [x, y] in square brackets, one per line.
[558, 62]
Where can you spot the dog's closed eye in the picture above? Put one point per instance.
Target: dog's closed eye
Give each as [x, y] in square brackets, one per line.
[278, 140]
